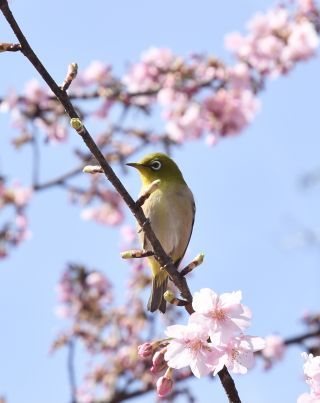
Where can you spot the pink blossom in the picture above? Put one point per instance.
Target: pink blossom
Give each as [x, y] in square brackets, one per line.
[308, 398]
[158, 362]
[64, 288]
[211, 140]
[311, 369]
[105, 214]
[98, 281]
[56, 131]
[306, 6]
[167, 95]
[275, 42]
[9, 102]
[238, 354]
[165, 384]
[184, 121]
[34, 92]
[23, 233]
[274, 349]
[84, 394]
[128, 234]
[302, 42]
[229, 111]
[145, 350]
[160, 57]
[189, 346]
[96, 73]
[19, 195]
[223, 315]
[238, 44]
[264, 24]
[151, 73]
[239, 76]
[3, 252]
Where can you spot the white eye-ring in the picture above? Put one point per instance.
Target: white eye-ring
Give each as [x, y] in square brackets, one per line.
[155, 165]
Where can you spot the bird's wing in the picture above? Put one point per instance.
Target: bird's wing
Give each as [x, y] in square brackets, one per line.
[152, 209]
[178, 261]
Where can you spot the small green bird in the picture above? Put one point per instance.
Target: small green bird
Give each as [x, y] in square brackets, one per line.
[171, 211]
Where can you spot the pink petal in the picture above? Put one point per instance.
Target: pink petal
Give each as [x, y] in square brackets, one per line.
[178, 356]
[205, 300]
[176, 331]
[230, 298]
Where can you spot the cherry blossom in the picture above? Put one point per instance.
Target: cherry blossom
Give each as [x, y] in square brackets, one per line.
[158, 362]
[229, 111]
[145, 350]
[276, 40]
[306, 6]
[224, 315]
[311, 369]
[105, 214]
[274, 349]
[308, 398]
[189, 346]
[164, 383]
[96, 73]
[16, 198]
[35, 93]
[238, 354]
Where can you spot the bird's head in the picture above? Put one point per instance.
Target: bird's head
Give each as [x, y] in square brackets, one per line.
[158, 166]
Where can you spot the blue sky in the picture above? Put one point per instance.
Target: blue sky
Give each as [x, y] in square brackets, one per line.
[246, 190]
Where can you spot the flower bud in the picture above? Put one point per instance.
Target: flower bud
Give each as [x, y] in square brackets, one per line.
[158, 362]
[165, 383]
[145, 350]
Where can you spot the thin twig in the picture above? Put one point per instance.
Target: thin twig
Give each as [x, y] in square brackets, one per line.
[10, 47]
[302, 337]
[71, 371]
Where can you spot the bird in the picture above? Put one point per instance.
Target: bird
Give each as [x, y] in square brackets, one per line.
[171, 212]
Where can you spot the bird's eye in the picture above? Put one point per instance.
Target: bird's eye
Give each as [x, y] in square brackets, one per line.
[155, 165]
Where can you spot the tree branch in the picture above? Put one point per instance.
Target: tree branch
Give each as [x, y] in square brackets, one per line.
[302, 337]
[10, 47]
[164, 260]
[71, 371]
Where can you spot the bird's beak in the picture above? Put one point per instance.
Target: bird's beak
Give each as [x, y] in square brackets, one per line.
[134, 164]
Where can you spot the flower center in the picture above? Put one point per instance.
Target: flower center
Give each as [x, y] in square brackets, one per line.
[234, 354]
[194, 345]
[218, 314]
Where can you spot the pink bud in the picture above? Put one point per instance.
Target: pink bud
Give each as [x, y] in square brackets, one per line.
[164, 386]
[158, 362]
[145, 350]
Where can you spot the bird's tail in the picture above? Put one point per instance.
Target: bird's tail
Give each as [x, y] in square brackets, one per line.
[159, 287]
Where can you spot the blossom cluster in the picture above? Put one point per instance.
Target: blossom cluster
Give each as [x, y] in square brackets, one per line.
[108, 210]
[83, 295]
[110, 334]
[35, 108]
[311, 369]
[213, 338]
[277, 40]
[15, 230]
[273, 351]
[198, 96]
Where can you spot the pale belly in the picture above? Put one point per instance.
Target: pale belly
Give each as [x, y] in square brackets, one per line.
[171, 214]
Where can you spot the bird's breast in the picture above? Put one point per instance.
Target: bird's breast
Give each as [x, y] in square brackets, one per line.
[171, 214]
